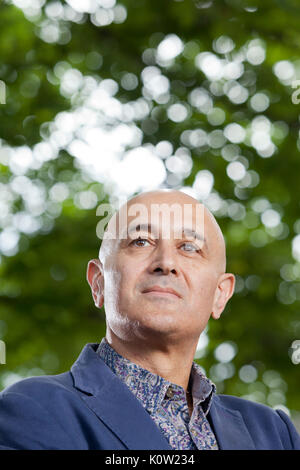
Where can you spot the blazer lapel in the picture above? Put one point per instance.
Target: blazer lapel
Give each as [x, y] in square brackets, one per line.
[229, 428]
[113, 403]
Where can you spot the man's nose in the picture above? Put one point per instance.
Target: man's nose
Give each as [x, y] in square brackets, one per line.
[165, 259]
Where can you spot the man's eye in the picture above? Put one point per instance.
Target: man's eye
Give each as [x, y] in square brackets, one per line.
[137, 240]
[191, 245]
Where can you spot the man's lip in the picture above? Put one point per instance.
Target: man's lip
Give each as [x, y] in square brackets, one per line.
[167, 290]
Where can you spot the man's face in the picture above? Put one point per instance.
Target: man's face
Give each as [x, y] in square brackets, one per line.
[135, 267]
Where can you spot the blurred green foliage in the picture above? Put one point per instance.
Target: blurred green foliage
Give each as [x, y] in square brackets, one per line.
[46, 310]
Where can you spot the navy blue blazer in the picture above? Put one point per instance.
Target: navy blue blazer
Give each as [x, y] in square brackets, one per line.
[89, 407]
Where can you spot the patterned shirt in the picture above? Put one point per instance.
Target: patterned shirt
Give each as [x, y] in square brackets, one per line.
[166, 402]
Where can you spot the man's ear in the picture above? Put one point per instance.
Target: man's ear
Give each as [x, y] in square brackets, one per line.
[223, 293]
[94, 276]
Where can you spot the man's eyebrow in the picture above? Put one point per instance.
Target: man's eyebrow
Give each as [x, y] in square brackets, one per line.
[142, 227]
[191, 233]
[151, 229]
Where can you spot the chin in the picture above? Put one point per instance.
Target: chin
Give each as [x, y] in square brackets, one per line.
[158, 323]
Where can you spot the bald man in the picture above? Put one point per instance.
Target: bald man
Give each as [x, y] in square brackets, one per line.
[154, 329]
[161, 275]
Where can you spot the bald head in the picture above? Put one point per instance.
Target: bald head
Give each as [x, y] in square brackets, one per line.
[213, 233]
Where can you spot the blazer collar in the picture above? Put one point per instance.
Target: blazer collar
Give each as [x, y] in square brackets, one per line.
[229, 427]
[114, 403]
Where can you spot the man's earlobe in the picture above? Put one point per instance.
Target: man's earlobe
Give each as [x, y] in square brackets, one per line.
[216, 314]
[98, 299]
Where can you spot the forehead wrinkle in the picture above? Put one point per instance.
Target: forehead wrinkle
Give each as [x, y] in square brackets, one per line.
[162, 198]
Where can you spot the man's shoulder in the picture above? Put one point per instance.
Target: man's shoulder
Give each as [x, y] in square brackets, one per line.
[238, 403]
[247, 408]
[43, 383]
[262, 422]
[45, 392]
[32, 413]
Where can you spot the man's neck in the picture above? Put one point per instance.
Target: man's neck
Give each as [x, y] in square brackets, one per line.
[173, 363]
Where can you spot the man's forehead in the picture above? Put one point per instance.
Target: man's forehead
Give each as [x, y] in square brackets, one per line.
[161, 217]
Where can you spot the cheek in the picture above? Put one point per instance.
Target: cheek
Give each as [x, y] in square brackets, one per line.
[119, 282]
[112, 284]
[204, 290]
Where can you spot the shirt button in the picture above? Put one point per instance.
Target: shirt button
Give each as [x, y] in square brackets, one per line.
[129, 380]
[170, 393]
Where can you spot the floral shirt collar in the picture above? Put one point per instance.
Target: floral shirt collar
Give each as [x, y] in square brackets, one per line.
[151, 389]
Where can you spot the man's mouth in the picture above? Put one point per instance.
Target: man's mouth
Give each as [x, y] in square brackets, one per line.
[161, 291]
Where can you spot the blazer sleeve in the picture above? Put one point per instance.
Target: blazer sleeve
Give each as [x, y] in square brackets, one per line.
[292, 437]
[26, 424]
